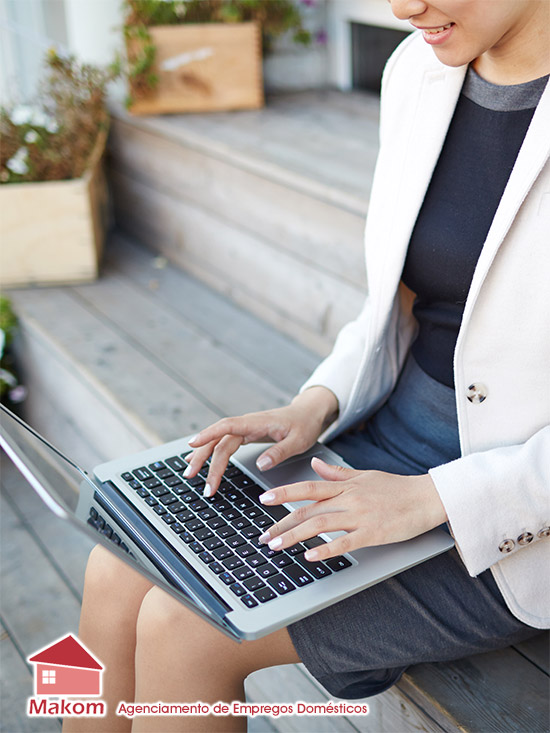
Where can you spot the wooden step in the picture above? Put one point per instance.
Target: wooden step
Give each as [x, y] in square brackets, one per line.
[266, 206]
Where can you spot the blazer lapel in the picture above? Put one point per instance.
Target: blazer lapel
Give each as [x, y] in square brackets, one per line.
[531, 159]
[415, 159]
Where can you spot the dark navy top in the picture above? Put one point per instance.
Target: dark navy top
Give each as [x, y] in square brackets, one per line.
[482, 143]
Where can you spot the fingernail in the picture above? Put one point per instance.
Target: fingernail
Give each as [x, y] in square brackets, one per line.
[193, 438]
[267, 498]
[264, 538]
[276, 543]
[264, 462]
[208, 491]
[187, 471]
[311, 555]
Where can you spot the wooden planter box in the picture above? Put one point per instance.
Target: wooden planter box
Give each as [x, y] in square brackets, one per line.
[204, 67]
[53, 232]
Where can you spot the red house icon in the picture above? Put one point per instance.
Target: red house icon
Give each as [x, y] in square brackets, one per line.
[66, 667]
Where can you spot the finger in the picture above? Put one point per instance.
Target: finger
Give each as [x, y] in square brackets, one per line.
[245, 426]
[284, 448]
[196, 459]
[338, 546]
[220, 457]
[299, 516]
[330, 522]
[330, 472]
[302, 491]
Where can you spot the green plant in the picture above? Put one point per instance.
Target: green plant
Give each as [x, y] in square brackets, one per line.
[52, 139]
[274, 16]
[11, 392]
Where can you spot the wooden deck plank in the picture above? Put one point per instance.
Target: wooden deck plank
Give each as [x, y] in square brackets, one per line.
[537, 650]
[284, 362]
[64, 546]
[195, 360]
[498, 691]
[16, 686]
[311, 305]
[164, 408]
[37, 605]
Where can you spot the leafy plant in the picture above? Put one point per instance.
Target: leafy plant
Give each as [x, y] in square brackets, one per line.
[11, 392]
[53, 138]
[274, 16]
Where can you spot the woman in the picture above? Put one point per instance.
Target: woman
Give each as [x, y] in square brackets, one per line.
[441, 385]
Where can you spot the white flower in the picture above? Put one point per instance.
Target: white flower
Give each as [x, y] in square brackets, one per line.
[18, 162]
[32, 136]
[22, 115]
[40, 118]
[52, 126]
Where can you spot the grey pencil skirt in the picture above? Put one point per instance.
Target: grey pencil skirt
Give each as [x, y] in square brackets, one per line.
[433, 612]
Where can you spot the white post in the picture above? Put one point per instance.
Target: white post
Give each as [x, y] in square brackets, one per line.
[94, 29]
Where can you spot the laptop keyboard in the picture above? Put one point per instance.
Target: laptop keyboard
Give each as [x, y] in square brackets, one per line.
[223, 530]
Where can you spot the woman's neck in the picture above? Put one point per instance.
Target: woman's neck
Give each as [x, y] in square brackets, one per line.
[522, 55]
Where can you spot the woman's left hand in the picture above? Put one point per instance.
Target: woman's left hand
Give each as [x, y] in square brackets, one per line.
[372, 507]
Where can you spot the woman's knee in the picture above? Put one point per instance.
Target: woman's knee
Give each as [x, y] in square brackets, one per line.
[107, 576]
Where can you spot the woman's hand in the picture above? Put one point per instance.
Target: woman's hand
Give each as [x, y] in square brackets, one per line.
[294, 428]
[373, 507]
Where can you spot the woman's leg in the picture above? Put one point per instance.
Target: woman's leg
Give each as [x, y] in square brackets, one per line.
[181, 658]
[113, 594]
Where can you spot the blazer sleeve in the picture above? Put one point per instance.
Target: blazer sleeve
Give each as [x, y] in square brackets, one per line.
[495, 497]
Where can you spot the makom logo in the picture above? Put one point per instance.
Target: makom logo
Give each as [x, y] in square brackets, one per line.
[66, 668]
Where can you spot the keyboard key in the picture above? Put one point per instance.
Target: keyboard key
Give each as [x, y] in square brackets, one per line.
[161, 491]
[107, 531]
[143, 493]
[127, 476]
[151, 483]
[281, 584]
[196, 547]
[222, 552]
[172, 481]
[177, 507]
[265, 594]
[232, 562]
[216, 568]
[165, 473]
[256, 560]
[177, 528]
[253, 512]
[254, 583]
[268, 552]
[245, 550]
[295, 549]
[222, 505]
[281, 560]
[251, 531]
[168, 518]
[265, 571]
[317, 569]
[189, 497]
[225, 532]
[235, 541]
[276, 512]
[160, 510]
[176, 464]
[156, 466]
[196, 506]
[186, 516]
[232, 471]
[240, 523]
[207, 513]
[194, 525]
[204, 534]
[242, 481]
[211, 544]
[237, 589]
[216, 523]
[134, 484]
[196, 481]
[168, 499]
[298, 575]
[187, 537]
[227, 578]
[263, 521]
[231, 513]
[338, 563]
[243, 573]
[142, 473]
[151, 501]
[249, 601]
[206, 557]
[314, 542]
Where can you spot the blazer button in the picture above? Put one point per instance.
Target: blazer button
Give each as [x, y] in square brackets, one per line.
[525, 538]
[544, 532]
[507, 546]
[476, 392]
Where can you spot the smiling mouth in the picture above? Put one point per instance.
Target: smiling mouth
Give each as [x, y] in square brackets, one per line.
[433, 31]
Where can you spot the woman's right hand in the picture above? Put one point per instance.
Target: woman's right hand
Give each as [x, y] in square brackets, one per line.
[293, 428]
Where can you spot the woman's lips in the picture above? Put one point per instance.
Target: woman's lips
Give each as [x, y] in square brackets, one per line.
[438, 34]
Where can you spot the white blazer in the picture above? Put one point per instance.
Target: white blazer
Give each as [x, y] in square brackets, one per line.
[497, 495]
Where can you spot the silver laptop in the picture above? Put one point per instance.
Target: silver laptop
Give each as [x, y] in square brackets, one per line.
[205, 552]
